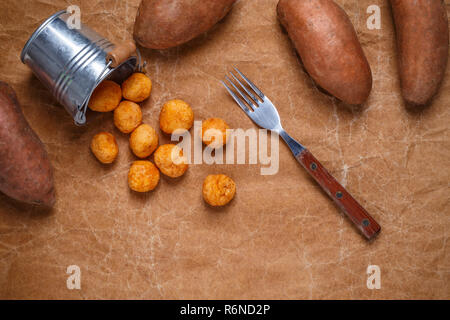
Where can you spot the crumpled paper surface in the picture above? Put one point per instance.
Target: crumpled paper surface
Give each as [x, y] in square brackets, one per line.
[281, 237]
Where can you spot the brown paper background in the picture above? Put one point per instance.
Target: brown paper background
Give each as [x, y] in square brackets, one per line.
[281, 237]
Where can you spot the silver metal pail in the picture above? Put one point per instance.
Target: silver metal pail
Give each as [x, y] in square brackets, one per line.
[71, 63]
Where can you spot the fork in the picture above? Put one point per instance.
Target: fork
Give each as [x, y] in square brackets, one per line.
[263, 112]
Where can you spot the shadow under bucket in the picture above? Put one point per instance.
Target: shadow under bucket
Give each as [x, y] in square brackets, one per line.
[71, 63]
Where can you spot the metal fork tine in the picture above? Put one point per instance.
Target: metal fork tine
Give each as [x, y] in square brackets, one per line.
[251, 84]
[236, 98]
[251, 95]
[241, 94]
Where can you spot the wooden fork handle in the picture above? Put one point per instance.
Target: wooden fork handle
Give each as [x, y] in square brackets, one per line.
[357, 214]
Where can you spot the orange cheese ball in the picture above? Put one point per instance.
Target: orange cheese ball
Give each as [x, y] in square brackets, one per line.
[143, 141]
[127, 116]
[176, 114]
[104, 147]
[210, 130]
[218, 190]
[106, 97]
[170, 160]
[137, 88]
[143, 176]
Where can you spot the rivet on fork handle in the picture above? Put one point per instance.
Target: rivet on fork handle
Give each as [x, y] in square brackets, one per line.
[354, 211]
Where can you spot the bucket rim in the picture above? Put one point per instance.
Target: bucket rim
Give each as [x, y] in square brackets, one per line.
[80, 117]
[37, 32]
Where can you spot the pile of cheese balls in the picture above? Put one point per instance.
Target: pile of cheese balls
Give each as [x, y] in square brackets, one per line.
[143, 176]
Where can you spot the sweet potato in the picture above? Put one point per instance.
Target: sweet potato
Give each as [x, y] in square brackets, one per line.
[162, 24]
[329, 48]
[422, 42]
[25, 170]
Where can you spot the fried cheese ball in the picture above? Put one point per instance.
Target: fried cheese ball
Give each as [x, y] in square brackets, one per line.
[127, 116]
[143, 141]
[137, 88]
[210, 130]
[104, 147]
[143, 176]
[218, 190]
[176, 114]
[170, 160]
[106, 97]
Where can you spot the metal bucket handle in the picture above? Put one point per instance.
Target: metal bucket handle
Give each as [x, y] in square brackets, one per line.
[116, 57]
[120, 53]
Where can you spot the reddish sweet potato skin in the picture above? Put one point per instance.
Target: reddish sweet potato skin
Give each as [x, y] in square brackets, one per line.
[162, 24]
[422, 42]
[25, 171]
[329, 47]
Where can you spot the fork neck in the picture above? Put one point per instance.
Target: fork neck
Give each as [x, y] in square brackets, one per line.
[293, 144]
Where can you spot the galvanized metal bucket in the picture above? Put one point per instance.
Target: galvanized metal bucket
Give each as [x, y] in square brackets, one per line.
[71, 63]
